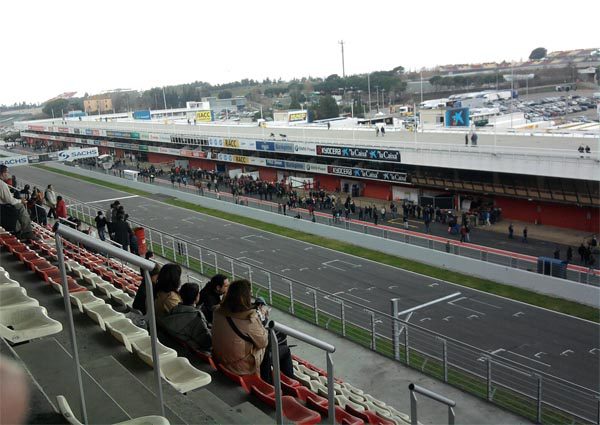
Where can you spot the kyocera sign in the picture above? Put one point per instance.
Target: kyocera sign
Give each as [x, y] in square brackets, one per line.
[14, 161]
[359, 153]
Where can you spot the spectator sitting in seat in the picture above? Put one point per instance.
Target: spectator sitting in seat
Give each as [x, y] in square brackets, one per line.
[167, 285]
[26, 231]
[211, 294]
[239, 337]
[186, 322]
[139, 302]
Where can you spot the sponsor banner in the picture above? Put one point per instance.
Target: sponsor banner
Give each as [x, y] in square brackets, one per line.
[231, 143]
[293, 165]
[98, 133]
[297, 116]
[216, 142]
[73, 154]
[134, 135]
[154, 137]
[88, 132]
[14, 161]
[305, 149]
[119, 134]
[359, 153]
[36, 127]
[168, 151]
[164, 138]
[279, 163]
[63, 129]
[265, 146]
[76, 131]
[284, 147]
[224, 157]
[143, 148]
[241, 159]
[390, 176]
[257, 161]
[154, 149]
[204, 116]
[457, 117]
[248, 144]
[316, 168]
[192, 154]
[141, 115]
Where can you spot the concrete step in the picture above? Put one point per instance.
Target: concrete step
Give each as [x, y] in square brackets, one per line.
[53, 368]
[133, 396]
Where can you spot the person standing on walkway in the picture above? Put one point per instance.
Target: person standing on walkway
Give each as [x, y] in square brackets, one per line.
[101, 225]
[474, 138]
[557, 253]
[466, 139]
[50, 198]
[569, 254]
[511, 231]
[525, 235]
[375, 216]
[581, 252]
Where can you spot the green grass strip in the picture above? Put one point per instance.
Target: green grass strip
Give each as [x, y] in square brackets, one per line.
[529, 297]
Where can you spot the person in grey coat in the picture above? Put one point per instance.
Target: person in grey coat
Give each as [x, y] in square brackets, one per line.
[186, 322]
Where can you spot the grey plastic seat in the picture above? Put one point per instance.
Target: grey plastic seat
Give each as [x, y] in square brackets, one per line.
[102, 314]
[125, 331]
[143, 349]
[15, 297]
[6, 281]
[182, 375]
[85, 298]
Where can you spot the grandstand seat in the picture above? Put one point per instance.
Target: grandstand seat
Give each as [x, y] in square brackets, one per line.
[86, 298]
[102, 314]
[15, 297]
[353, 389]
[182, 375]
[125, 331]
[143, 349]
[72, 285]
[107, 288]
[303, 378]
[368, 416]
[38, 264]
[321, 405]
[92, 280]
[205, 357]
[122, 298]
[16, 250]
[44, 270]
[6, 281]
[65, 410]
[292, 409]
[312, 373]
[232, 376]
[24, 324]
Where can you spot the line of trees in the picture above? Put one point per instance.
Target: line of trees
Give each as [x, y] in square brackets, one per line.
[463, 81]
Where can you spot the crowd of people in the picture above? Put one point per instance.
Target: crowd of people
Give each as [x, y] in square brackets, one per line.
[221, 319]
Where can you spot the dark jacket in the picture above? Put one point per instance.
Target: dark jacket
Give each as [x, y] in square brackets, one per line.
[187, 323]
[122, 232]
[209, 300]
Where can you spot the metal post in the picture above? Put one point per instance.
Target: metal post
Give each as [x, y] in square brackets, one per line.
[413, 408]
[250, 276]
[373, 333]
[315, 308]
[406, 352]
[451, 415]
[150, 240]
[162, 247]
[539, 399]
[201, 262]
[276, 376]
[489, 378]
[343, 317]
[175, 251]
[395, 328]
[291, 297]
[187, 257]
[270, 288]
[330, 389]
[216, 263]
[232, 270]
[65, 289]
[445, 358]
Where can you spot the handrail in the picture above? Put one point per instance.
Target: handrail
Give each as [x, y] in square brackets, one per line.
[434, 396]
[63, 231]
[328, 348]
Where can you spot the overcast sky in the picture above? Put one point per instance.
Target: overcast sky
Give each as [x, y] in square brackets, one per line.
[49, 47]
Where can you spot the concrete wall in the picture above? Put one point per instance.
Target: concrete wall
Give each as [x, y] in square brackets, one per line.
[562, 288]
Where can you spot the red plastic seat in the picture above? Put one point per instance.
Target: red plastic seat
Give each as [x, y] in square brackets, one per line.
[301, 392]
[232, 376]
[53, 272]
[292, 409]
[321, 405]
[207, 358]
[26, 255]
[18, 249]
[368, 416]
[72, 285]
[40, 262]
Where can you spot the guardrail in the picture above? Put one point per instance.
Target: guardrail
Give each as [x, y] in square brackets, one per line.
[434, 396]
[499, 380]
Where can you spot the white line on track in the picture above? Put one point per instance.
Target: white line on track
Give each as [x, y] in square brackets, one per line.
[113, 199]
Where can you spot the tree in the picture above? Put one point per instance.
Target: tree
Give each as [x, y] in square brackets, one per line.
[538, 53]
[56, 107]
[224, 94]
[328, 108]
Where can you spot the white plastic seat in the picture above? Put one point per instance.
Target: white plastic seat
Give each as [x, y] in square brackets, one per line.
[303, 378]
[182, 375]
[403, 416]
[92, 279]
[102, 314]
[312, 373]
[323, 380]
[15, 297]
[342, 401]
[86, 298]
[65, 410]
[353, 389]
[81, 273]
[125, 331]
[27, 323]
[6, 281]
[143, 349]
[123, 299]
[72, 265]
[108, 288]
[375, 401]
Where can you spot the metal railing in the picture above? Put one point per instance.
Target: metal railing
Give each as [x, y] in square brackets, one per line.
[526, 262]
[498, 379]
[434, 396]
[328, 348]
[63, 231]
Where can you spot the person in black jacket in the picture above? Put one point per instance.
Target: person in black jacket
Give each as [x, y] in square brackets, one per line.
[101, 225]
[121, 232]
[210, 296]
[139, 302]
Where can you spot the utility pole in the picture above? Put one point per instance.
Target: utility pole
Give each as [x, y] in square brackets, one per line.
[341, 43]
[164, 98]
[369, 86]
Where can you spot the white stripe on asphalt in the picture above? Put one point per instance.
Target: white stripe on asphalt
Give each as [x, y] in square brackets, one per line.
[113, 199]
